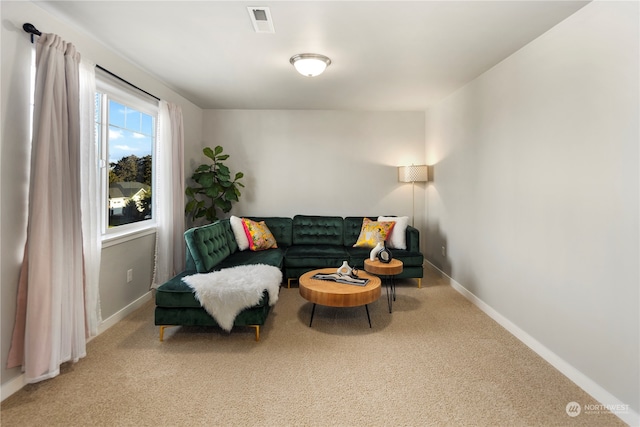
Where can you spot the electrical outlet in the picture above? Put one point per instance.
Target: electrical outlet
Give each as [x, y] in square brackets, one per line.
[444, 250]
[129, 275]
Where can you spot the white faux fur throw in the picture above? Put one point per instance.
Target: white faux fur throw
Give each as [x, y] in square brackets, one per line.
[225, 293]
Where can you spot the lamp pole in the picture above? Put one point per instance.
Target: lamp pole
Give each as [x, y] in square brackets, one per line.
[413, 203]
[413, 173]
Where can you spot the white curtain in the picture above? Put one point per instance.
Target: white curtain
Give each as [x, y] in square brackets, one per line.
[168, 196]
[51, 310]
[90, 203]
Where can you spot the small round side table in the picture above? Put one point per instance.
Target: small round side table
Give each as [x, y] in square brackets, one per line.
[387, 271]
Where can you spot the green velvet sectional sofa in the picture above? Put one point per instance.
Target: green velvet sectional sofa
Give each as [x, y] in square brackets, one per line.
[304, 242]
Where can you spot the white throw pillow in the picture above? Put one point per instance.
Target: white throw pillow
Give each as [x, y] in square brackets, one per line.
[398, 237]
[238, 232]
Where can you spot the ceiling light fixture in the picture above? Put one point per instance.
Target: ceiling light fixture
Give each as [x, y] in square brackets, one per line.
[310, 64]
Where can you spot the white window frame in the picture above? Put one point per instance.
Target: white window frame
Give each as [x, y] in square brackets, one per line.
[124, 94]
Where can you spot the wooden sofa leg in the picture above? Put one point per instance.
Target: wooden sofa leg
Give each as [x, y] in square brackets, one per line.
[289, 283]
[257, 328]
[419, 282]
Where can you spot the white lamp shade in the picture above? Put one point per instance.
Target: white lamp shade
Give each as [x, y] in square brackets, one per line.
[310, 64]
[413, 173]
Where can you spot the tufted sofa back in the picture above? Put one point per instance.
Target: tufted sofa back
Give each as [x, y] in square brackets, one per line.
[317, 230]
[209, 245]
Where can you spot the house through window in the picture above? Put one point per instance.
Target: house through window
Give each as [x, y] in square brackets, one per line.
[126, 134]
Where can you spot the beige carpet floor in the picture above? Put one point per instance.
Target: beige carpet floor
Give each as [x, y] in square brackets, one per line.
[436, 360]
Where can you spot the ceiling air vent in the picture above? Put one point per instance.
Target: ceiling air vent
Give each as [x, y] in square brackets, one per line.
[261, 19]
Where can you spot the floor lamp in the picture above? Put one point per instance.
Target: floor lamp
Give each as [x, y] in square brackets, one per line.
[413, 174]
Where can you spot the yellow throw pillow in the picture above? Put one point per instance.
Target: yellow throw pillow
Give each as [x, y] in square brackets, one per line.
[259, 235]
[373, 232]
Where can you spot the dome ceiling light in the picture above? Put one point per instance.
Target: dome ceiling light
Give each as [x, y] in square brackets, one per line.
[310, 64]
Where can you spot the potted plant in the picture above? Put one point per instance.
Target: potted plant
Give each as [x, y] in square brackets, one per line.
[214, 190]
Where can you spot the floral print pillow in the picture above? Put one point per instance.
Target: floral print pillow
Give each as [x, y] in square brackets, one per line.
[373, 232]
[259, 235]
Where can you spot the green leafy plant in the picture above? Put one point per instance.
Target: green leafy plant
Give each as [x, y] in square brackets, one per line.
[137, 210]
[214, 190]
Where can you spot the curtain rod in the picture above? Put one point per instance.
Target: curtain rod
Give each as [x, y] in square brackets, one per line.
[29, 28]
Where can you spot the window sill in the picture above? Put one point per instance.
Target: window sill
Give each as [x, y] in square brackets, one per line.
[125, 236]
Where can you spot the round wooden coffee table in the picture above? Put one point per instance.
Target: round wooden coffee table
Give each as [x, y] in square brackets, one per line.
[335, 294]
[386, 270]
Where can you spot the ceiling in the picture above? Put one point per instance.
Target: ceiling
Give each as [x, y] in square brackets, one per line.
[386, 55]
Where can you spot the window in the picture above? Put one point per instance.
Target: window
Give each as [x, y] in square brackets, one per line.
[126, 134]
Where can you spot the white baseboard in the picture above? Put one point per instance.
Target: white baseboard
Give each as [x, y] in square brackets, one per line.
[581, 380]
[115, 318]
[16, 384]
[12, 386]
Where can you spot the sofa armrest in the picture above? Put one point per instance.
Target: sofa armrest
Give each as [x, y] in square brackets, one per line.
[207, 246]
[413, 239]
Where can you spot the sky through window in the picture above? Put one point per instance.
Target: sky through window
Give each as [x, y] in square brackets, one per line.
[130, 132]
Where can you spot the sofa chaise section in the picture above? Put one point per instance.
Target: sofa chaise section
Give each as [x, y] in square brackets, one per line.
[209, 248]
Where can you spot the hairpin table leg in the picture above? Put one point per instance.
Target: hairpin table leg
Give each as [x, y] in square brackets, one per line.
[366, 306]
[312, 311]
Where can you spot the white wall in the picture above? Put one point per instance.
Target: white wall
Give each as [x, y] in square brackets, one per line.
[536, 194]
[320, 162]
[116, 294]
